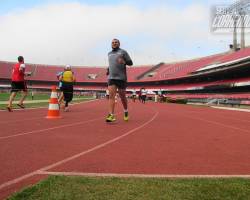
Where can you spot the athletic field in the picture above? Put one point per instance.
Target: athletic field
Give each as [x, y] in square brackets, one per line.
[165, 142]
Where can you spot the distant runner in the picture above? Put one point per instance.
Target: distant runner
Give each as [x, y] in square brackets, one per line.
[18, 84]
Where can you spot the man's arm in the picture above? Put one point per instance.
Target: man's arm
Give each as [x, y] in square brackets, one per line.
[22, 69]
[129, 62]
[60, 77]
[127, 59]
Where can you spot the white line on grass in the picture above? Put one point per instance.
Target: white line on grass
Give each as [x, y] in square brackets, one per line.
[139, 175]
[36, 108]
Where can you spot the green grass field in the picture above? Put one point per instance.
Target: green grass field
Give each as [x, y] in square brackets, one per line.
[83, 188]
[5, 96]
[40, 100]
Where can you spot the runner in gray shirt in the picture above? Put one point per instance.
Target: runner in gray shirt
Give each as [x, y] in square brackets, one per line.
[117, 78]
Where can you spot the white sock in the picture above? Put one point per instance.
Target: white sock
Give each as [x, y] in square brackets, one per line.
[126, 110]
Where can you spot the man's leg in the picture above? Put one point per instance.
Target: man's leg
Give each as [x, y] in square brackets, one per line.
[69, 97]
[12, 97]
[122, 93]
[24, 94]
[60, 97]
[112, 93]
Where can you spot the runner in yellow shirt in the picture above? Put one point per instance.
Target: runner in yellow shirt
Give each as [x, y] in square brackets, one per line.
[67, 78]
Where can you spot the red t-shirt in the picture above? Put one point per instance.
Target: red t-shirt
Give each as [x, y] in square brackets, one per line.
[17, 74]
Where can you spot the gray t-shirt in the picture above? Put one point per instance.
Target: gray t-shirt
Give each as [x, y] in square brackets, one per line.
[118, 71]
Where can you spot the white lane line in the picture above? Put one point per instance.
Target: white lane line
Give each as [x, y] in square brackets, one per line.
[223, 116]
[236, 119]
[14, 121]
[20, 109]
[44, 107]
[21, 178]
[218, 123]
[234, 109]
[52, 128]
[100, 146]
[139, 175]
[17, 180]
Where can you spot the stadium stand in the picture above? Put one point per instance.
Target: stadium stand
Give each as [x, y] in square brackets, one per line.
[208, 77]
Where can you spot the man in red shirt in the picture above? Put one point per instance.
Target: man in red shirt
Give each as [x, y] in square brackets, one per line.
[18, 83]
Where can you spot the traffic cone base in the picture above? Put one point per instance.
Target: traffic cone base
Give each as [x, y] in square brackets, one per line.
[53, 114]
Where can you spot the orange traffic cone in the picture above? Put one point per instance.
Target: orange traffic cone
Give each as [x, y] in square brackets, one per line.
[54, 111]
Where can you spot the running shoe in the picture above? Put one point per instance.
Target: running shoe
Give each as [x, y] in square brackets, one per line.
[21, 106]
[125, 117]
[110, 118]
[9, 109]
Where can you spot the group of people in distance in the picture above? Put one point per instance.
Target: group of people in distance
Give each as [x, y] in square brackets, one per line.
[117, 81]
[142, 95]
[18, 83]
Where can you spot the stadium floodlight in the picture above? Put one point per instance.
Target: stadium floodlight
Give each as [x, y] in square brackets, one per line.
[242, 16]
[239, 10]
[235, 19]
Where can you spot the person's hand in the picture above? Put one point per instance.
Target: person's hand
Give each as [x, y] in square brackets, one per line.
[121, 60]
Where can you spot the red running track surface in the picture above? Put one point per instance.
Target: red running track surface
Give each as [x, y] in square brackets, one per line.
[159, 139]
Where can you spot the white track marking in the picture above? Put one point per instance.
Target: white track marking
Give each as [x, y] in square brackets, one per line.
[99, 146]
[219, 124]
[49, 129]
[236, 119]
[17, 180]
[21, 178]
[223, 116]
[139, 175]
[21, 109]
[73, 104]
[234, 109]
[52, 128]
[13, 121]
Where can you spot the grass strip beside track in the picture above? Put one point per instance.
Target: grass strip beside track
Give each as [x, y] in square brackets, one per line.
[43, 103]
[6, 96]
[89, 188]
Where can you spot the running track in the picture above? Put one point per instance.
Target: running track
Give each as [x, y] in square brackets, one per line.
[160, 140]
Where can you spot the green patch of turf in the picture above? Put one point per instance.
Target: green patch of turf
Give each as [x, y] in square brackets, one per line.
[84, 188]
[5, 96]
[43, 104]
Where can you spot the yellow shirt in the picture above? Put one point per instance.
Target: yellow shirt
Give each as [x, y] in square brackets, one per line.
[67, 76]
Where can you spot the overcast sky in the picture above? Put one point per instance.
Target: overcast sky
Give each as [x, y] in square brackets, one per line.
[79, 33]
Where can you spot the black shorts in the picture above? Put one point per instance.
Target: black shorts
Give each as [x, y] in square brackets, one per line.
[68, 90]
[120, 84]
[143, 97]
[18, 86]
